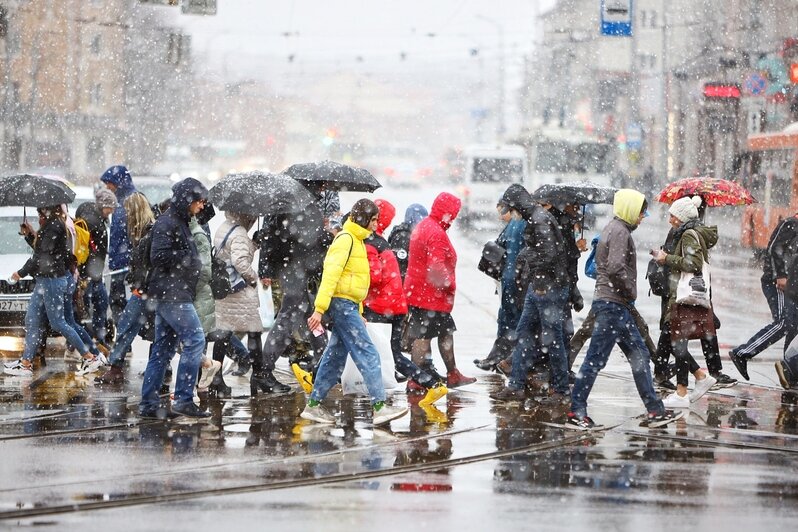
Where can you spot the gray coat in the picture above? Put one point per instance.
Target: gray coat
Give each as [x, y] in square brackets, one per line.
[616, 264]
[238, 312]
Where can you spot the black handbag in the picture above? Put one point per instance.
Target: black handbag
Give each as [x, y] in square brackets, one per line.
[658, 278]
[492, 261]
[220, 279]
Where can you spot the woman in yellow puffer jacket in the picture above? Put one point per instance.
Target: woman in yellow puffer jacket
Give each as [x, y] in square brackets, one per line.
[344, 285]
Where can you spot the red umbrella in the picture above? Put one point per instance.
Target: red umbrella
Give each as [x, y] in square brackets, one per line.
[714, 191]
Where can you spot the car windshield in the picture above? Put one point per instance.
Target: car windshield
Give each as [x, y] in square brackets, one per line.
[155, 192]
[10, 240]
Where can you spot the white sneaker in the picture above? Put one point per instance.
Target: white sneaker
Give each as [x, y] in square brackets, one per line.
[318, 414]
[386, 414]
[207, 374]
[702, 387]
[675, 400]
[18, 369]
[72, 355]
[89, 366]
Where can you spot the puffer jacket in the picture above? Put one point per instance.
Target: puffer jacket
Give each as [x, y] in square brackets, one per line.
[616, 255]
[119, 243]
[430, 281]
[98, 246]
[175, 264]
[203, 301]
[51, 256]
[238, 311]
[693, 242]
[386, 294]
[346, 268]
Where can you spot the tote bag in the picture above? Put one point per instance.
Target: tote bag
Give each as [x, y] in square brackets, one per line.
[693, 289]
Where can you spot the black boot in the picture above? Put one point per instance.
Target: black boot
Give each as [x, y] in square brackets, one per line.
[502, 348]
[218, 388]
[266, 383]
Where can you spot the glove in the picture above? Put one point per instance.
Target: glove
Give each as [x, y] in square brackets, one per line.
[576, 299]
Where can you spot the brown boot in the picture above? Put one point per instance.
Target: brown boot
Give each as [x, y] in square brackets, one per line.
[115, 375]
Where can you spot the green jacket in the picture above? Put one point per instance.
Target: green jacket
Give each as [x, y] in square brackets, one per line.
[203, 300]
[689, 255]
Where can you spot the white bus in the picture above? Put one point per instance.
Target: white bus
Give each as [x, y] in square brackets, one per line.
[489, 170]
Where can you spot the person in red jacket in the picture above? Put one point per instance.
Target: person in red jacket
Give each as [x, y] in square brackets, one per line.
[430, 286]
[385, 303]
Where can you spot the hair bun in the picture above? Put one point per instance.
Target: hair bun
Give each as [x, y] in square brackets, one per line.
[697, 201]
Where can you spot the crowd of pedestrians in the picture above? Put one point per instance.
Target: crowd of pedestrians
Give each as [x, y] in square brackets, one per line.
[330, 274]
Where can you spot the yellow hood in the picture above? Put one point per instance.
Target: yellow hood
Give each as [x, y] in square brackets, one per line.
[627, 205]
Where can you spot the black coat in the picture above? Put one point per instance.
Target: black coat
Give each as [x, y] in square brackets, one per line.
[51, 256]
[174, 260]
[782, 249]
[543, 262]
[296, 241]
[98, 245]
[399, 240]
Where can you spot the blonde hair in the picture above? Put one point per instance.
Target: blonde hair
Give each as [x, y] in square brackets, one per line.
[139, 216]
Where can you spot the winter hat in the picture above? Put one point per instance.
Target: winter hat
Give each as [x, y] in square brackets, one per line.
[415, 213]
[104, 198]
[686, 208]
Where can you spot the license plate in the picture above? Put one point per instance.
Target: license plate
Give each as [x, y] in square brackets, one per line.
[13, 306]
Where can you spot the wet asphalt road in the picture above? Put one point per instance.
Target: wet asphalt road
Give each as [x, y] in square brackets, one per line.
[76, 456]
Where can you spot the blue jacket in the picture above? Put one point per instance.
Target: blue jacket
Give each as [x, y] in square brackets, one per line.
[175, 262]
[514, 241]
[118, 242]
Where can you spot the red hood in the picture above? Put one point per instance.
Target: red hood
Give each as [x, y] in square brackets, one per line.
[445, 204]
[387, 212]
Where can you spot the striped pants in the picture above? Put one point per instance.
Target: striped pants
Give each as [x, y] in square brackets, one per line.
[785, 315]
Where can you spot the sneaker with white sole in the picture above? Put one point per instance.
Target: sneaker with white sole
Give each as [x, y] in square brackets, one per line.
[702, 387]
[207, 374]
[675, 400]
[660, 420]
[386, 414]
[19, 369]
[317, 413]
[89, 365]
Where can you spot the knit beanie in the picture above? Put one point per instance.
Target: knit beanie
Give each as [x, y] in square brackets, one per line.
[686, 208]
[104, 198]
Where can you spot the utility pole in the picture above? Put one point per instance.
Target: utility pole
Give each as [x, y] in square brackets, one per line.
[500, 125]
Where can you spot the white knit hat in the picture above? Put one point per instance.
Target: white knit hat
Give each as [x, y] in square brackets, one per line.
[686, 208]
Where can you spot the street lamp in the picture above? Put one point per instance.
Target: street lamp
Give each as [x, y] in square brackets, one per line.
[500, 127]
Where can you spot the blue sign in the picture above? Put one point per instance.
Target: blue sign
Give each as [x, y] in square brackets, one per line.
[616, 18]
[634, 136]
[755, 84]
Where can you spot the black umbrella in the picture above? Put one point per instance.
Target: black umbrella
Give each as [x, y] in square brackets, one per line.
[576, 193]
[28, 190]
[336, 176]
[260, 194]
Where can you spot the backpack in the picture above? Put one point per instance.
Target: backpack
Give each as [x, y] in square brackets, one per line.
[82, 241]
[220, 279]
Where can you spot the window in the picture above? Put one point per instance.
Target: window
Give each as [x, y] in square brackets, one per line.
[95, 45]
[96, 94]
[493, 170]
[775, 166]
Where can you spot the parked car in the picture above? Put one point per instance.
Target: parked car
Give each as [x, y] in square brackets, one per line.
[14, 252]
[156, 189]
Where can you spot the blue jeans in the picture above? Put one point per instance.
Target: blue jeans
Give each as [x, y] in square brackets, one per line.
[174, 322]
[97, 298]
[69, 315]
[48, 300]
[130, 323]
[615, 324]
[540, 334]
[348, 337]
[785, 313]
[509, 311]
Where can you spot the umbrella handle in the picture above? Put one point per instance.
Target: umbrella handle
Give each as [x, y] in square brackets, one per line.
[582, 225]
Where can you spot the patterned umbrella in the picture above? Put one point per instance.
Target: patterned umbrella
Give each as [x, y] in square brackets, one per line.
[714, 191]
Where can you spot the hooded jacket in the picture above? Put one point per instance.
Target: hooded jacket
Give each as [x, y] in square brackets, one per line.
[399, 239]
[238, 311]
[51, 254]
[543, 261]
[616, 256]
[693, 240]
[386, 294]
[782, 249]
[430, 281]
[174, 260]
[346, 268]
[203, 300]
[119, 243]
